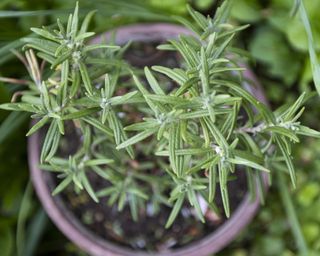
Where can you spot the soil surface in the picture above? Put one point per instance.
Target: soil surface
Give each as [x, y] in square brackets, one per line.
[148, 232]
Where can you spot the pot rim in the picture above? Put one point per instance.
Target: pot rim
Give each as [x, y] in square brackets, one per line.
[95, 245]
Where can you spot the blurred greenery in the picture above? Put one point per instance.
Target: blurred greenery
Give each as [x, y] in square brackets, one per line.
[278, 45]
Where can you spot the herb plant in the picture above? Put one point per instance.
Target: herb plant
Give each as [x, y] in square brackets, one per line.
[153, 142]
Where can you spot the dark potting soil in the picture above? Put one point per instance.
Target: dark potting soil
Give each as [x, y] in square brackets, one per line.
[148, 233]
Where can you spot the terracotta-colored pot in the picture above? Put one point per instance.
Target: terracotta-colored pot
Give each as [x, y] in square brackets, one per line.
[97, 246]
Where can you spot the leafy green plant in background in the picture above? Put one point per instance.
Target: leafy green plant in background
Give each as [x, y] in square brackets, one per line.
[284, 37]
[314, 62]
[180, 6]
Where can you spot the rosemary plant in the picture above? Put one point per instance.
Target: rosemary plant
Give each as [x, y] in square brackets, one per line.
[185, 138]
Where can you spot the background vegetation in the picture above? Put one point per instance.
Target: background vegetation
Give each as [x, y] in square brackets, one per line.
[278, 45]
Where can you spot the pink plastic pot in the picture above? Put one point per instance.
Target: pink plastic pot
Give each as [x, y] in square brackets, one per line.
[97, 246]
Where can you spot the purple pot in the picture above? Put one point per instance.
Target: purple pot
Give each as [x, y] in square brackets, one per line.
[97, 246]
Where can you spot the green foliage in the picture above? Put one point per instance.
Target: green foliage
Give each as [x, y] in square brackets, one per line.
[206, 123]
[179, 7]
[284, 35]
[315, 65]
[246, 10]
[280, 62]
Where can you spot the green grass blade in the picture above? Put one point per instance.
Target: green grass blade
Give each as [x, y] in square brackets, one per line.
[18, 14]
[22, 218]
[292, 216]
[315, 66]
